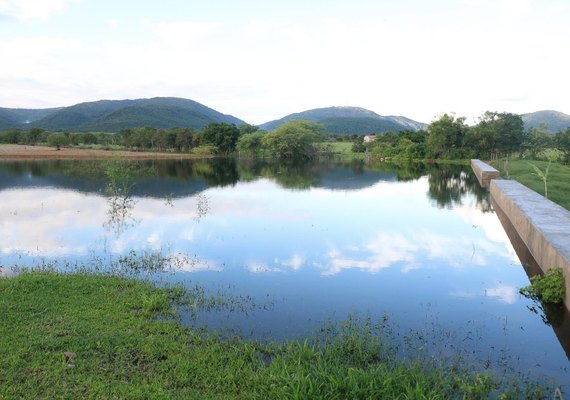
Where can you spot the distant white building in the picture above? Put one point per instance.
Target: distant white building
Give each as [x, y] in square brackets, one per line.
[369, 138]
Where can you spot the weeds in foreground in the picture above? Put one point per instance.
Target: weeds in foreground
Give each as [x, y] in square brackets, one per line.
[122, 350]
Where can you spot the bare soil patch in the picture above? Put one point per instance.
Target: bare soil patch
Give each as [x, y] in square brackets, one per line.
[19, 152]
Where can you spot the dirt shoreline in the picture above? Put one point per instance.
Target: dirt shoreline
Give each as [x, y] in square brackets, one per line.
[21, 152]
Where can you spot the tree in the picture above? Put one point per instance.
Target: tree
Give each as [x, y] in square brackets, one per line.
[562, 141]
[221, 135]
[509, 129]
[247, 128]
[183, 141]
[34, 136]
[445, 137]
[250, 143]
[58, 139]
[495, 134]
[11, 136]
[536, 141]
[294, 140]
[166, 139]
[358, 145]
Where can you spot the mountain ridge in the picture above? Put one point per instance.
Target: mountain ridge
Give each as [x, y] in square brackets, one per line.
[349, 120]
[115, 115]
[168, 112]
[554, 121]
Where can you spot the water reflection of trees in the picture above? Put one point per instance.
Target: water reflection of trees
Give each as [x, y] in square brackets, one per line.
[449, 184]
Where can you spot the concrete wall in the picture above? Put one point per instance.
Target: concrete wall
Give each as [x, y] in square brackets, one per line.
[484, 172]
[543, 226]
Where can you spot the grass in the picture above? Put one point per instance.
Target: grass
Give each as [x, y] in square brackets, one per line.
[125, 342]
[340, 149]
[523, 172]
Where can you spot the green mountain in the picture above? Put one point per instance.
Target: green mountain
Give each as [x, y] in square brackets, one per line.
[114, 115]
[349, 120]
[20, 117]
[554, 121]
[6, 120]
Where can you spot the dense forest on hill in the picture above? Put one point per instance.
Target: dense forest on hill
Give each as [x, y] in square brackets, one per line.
[112, 116]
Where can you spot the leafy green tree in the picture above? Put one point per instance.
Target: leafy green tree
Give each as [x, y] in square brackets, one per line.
[496, 134]
[247, 128]
[221, 135]
[183, 141]
[89, 138]
[250, 143]
[536, 141]
[509, 129]
[34, 136]
[418, 136]
[166, 139]
[11, 136]
[58, 140]
[562, 141]
[294, 140]
[445, 137]
[358, 145]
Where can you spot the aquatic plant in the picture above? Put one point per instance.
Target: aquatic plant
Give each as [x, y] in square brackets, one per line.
[549, 288]
[118, 187]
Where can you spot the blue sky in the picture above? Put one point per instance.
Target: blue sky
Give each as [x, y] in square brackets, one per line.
[260, 60]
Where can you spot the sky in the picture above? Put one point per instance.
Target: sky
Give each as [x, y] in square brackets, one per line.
[260, 60]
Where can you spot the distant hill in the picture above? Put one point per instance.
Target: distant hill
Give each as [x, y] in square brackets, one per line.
[21, 117]
[554, 121]
[115, 115]
[6, 120]
[349, 120]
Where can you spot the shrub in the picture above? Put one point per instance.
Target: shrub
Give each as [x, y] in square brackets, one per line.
[549, 288]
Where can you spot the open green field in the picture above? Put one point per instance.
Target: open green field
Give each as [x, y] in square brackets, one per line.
[522, 171]
[83, 336]
[341, 149]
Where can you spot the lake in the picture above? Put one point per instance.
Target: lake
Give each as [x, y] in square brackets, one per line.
[297, 247]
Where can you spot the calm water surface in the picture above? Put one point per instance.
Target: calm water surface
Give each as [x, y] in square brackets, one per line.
[302, 246]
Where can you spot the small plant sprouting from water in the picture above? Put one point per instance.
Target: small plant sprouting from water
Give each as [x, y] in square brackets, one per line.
[542, 175]
[119, 175]
[118, 189]
[549, 288]
[168, 200]
[202, 207]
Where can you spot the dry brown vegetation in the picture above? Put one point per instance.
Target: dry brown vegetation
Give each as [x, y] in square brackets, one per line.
[18, 152]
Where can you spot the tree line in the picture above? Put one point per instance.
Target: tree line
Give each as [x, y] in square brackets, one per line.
[293, 140]
[449, 137]
[218, 137]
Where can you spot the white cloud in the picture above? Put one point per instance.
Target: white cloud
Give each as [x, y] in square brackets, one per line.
[260, 268]
[33, 9]
[185, 32]
[182, 262]
[386, 250]
[469, 57]
[295, 263]
[32, 221]
[504, 293]
[490, 225]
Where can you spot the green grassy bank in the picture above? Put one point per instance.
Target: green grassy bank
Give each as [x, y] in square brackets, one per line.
[558, 178]
[118, 348]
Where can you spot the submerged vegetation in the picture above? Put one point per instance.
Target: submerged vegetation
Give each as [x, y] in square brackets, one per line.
[94, 336]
